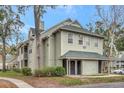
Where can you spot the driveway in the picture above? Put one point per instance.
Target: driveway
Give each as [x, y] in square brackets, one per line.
[102, 85]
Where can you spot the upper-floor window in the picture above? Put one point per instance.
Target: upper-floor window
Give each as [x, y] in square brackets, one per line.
[96, 42]
[88, 41]
[80, 40]
[70, 38]
[30, 51]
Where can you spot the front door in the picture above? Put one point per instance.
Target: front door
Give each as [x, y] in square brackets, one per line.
[79, 67]
[72, 67]
[99, 66]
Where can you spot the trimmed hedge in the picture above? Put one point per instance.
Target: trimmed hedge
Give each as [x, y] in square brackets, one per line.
[26, 71]
[50, 71]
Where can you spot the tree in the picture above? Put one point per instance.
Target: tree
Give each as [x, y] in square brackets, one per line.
[39, 11]
[10, 25]
[111, 17]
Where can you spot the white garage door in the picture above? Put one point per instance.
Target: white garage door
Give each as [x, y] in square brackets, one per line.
[90, 67]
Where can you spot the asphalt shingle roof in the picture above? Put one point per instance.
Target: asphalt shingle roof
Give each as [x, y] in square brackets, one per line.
[80, 30]
[83, 55]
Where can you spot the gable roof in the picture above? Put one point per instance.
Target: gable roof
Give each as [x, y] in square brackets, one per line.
[83, 55]
[79, 30]
[69, 25]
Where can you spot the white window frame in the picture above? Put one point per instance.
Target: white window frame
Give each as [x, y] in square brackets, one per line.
[88, 41]
[96, 43]
[70, 38]
[80, 39]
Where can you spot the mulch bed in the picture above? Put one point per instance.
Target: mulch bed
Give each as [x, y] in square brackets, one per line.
[6, 84]
[42, 82]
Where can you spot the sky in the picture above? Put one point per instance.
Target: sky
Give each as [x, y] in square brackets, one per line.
[84, 14]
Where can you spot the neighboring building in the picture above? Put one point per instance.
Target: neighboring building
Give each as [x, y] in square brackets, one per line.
[118, 62]
[22, 56]
[66, 44]
[1, 63]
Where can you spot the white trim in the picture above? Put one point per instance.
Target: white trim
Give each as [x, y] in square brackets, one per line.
[75, 67]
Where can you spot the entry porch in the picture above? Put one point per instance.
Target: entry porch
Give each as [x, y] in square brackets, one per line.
[83, 63]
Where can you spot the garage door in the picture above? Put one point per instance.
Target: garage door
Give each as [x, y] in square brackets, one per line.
[90, 67]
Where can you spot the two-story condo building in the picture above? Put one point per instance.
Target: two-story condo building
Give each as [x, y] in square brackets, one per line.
[22, 57]
[69, 45]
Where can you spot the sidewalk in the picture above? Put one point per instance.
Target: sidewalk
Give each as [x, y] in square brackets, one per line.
[94, 76]
[18, 83]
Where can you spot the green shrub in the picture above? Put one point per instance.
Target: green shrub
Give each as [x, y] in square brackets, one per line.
[39, 73]
[60, 71]
[26, 71]
[17, 70]
[50, 71]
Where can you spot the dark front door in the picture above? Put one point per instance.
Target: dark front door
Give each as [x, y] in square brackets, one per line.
[99, 66]
[72, 67]
[78, 67]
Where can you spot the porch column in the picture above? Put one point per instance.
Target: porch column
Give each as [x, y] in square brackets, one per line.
[81, 67]
[75, 67]
[67, 66]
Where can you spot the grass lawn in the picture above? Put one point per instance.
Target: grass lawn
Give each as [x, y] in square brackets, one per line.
[60, 81]
[10, 74]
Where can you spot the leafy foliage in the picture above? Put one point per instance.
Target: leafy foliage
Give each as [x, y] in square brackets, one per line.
[50, 71]
[26, 71]
[60, 71]
[120, 44]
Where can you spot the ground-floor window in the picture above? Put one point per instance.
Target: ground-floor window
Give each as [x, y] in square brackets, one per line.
[26, 63]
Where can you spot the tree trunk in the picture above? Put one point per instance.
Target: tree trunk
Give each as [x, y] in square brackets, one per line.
[4, 55]
[37, 15]
[110, 52]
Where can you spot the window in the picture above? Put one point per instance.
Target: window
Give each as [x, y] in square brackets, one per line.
[96, 42]
[80, 40]
[25, 49]
[26, 63]
[88, 41]
[117, 61]
[122, 66]
[122, 61]
[70, 38]
[30, 51]
[117, 66]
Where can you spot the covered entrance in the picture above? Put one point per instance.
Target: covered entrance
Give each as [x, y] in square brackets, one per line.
[73, 67]
[83, 63]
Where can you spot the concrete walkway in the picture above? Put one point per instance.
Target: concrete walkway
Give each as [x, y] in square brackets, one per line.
[18, 83]
[97, 76]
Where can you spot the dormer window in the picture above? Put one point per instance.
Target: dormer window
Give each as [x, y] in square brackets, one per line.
[70, 38]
